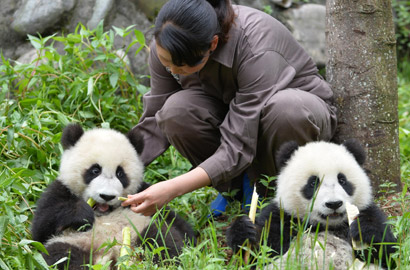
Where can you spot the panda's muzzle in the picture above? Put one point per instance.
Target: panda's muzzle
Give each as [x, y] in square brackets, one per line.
[334, 215]
[104, 208]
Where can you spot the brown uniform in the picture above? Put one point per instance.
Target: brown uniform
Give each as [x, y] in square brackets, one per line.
[256, 91]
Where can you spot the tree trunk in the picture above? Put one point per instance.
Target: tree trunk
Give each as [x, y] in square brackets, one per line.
[362, 70]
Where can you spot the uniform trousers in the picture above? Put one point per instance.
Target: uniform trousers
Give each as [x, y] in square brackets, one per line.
[190, 120]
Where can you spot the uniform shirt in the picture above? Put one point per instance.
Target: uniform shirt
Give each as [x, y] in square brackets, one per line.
[260, 58]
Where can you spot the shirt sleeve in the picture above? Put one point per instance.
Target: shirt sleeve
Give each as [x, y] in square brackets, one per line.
[259, 77]
[162, 86]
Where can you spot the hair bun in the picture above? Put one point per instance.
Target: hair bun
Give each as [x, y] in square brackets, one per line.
[214, 3]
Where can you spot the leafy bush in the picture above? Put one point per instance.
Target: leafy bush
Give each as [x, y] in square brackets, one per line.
[401, 10]
[90, 82]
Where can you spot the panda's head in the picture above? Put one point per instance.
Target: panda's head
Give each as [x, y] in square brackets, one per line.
[102, 164]
[319, 178]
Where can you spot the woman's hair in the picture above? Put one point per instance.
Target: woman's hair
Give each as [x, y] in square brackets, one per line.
[185, 28]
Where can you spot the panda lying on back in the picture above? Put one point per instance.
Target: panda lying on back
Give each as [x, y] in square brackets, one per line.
[328, 176]
[102, 164]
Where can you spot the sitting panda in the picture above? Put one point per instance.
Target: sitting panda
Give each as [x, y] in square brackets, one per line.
[101, 164]
[315, 183]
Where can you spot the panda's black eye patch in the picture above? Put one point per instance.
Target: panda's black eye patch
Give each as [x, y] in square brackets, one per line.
[122, 176]
[342, 179]
[311, 186]
[92, 172]
[347, 186]
[313, 181]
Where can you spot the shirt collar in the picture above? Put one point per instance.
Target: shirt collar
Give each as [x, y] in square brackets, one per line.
[224, 54]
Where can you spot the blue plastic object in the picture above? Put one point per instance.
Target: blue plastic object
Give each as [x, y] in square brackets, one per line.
[247, 189]
[218, 205]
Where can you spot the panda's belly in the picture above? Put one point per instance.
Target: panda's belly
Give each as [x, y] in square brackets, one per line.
[105, 229]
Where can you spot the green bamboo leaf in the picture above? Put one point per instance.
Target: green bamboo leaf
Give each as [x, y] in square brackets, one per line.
[140, 37]
[35, 41]
[119, 31]
[114, 79]
[3, 224]
[90, 86]
[3, 265]
[39, 246]
[40, 260]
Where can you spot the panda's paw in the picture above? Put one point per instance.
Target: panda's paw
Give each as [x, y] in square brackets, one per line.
[85, 217]
[239, 231]
[80, 218]
[365, 233]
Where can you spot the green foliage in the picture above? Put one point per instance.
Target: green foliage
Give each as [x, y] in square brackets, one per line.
[89, 81]
[404, 118]
[401, 10]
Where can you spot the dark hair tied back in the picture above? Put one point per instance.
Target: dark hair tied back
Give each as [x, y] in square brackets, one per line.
[226, 16]
[185, 28]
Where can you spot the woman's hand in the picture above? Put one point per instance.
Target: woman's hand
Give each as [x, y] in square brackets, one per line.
[156, 196]
[150, 200]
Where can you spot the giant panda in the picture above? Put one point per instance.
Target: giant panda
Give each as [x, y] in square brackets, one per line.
[102, 164]
[314, 184]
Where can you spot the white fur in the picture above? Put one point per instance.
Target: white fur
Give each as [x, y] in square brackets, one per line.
[105, 228]
[325, 160]
[108, 148]
[316, 251]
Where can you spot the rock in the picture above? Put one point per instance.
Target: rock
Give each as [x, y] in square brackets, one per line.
[150, 7]
[21, 17]
[34, 16]
[307, 23]
[101, 10]
[9, 39]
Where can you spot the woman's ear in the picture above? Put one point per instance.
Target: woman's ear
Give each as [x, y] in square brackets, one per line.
[214, 43]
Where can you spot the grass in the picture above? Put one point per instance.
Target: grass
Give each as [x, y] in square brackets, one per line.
[91, 83]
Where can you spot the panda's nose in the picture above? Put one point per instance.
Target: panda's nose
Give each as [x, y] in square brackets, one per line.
[107, 197]
[334, 205]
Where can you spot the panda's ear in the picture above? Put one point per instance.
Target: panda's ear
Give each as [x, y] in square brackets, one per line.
[136, 140]
[71, 134]
[356, 149]
[284, 153]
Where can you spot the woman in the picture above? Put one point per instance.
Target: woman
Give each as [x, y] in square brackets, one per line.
[229, 85]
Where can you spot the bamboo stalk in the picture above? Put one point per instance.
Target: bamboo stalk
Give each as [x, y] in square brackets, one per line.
[252, 215]
[126, 244]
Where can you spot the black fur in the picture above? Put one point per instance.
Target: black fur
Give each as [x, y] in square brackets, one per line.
[168, 231]
[372, 220]
[284, 153]
[136, 140]
[372, 225]
[122, 176]
[310, 187]
[356, 149]
[373, 229]
[346, 184]
[71, 134]
[91, 173]
[77, 258]
[59, 209]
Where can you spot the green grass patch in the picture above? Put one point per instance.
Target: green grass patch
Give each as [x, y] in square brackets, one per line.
[90, 82]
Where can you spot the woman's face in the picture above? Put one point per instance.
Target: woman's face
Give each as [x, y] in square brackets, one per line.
[166, 60]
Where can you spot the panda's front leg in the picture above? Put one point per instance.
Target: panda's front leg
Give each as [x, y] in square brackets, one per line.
[241, 231]
[276, 222]
[77, 259]
[59, 209]
[371, 228]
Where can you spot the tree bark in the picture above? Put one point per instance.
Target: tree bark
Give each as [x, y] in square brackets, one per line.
[362, 70]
